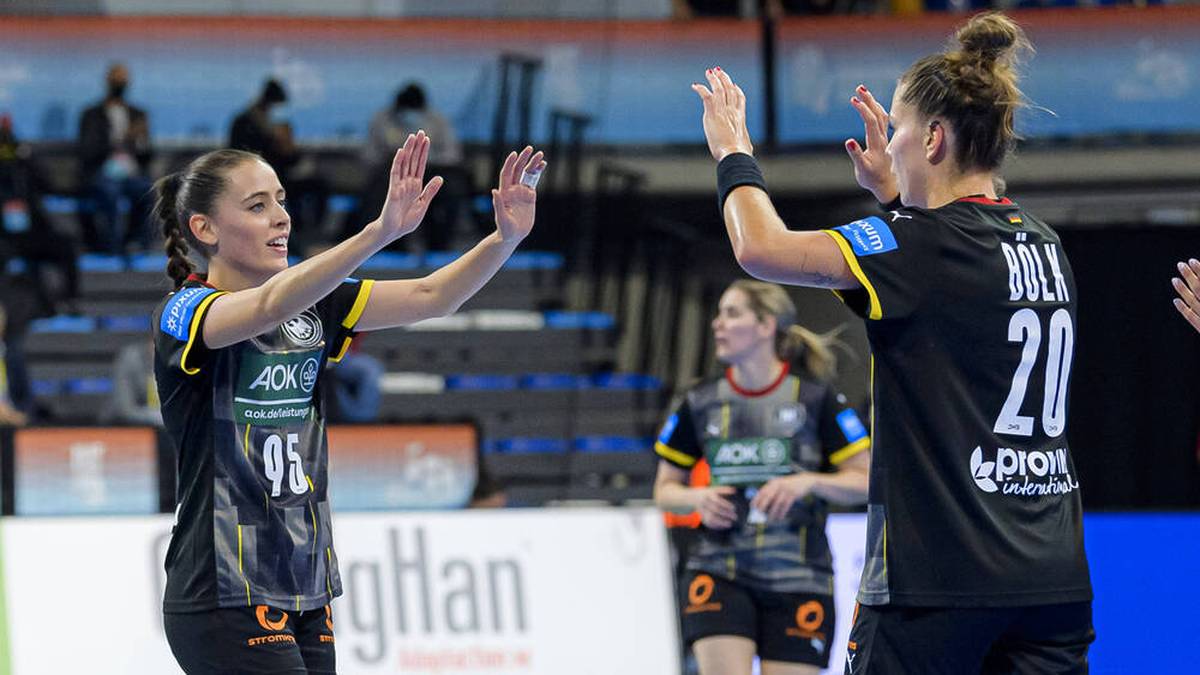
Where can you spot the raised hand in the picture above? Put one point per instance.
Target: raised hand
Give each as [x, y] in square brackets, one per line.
[407, 201]
[514, 199]
[1187, 285]
[724, 115]
[872, 168]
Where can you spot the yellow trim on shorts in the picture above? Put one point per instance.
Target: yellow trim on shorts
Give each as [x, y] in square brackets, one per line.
[875, 310]
[667, 452]
[360, 303]
[194, 328]
[850, 450]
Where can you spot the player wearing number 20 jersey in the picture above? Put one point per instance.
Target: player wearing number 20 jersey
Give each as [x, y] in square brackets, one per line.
[974, 499]
[253, 524]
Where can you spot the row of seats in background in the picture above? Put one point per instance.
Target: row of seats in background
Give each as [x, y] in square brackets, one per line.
[556, 421]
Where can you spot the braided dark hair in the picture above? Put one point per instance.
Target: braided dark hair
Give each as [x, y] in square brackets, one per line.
[180, 195]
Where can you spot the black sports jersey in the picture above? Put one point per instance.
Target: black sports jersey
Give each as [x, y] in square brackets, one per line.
[748, 437]
[974, 499]
[252, 520]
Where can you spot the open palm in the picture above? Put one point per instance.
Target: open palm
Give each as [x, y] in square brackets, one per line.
[515, 203]
[407, 201]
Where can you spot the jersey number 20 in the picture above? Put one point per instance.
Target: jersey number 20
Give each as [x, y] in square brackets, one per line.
[273, 465]
[1025, 326]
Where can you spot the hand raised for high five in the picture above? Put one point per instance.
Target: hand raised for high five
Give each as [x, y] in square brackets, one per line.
[515, 197]
[724, 115]
[872, 168]
[1187, 285]
[407, 201]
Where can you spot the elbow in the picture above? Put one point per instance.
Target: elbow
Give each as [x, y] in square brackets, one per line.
[753, 260]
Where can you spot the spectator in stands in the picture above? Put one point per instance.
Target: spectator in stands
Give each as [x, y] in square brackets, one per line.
[9, 415]
[781, 446]
[488, 494]
[135, 395]
[356, 386]
[408, 113]
[114, 159]
[264, 128]
[26, 233]
[1187, 285]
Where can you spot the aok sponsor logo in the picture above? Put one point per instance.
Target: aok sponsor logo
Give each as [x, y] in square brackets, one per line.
[737, 453]
[287, 377]
[1023, 473]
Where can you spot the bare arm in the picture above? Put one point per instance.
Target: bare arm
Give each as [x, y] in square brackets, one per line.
[763, 245]
[398, 303]
[846, 486]
[671, 494]
[234, 317]
[766, 249]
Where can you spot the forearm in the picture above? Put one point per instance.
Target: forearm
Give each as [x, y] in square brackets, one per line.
[300, 286]
[673, 496]
[454, 284]
[846, 488]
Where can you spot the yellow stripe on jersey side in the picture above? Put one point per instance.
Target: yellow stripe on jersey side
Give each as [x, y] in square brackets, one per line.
[850, 450]
[360, 303]
[667, 452]
[875, 310]
[194, 328]
[240, 571]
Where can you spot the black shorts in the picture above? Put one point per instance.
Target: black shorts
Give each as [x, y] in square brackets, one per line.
[788, 627]
[252, 641]
[1045, 639]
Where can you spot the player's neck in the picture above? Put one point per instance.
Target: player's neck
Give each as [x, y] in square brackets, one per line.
[229, 279]
[947, 189]
[756, 374]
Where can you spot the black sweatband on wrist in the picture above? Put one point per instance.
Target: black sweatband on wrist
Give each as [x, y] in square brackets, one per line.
[892, 205]
[734, 171]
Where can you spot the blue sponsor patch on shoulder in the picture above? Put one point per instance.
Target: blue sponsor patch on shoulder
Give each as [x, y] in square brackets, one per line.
[851, 426]
[668, 428]
[177, 316]
[869, 236]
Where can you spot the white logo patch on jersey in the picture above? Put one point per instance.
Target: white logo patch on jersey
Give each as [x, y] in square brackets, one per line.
[305, 330]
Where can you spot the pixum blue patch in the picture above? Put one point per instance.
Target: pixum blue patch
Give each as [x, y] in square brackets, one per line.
[869, 236]
[851, 425]
[668, 428]
[177, 316]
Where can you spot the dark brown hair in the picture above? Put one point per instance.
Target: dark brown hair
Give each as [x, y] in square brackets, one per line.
[193, 190]
[974, 86]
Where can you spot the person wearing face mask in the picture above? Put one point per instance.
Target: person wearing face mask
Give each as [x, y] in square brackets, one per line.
[264, 129]
[781, 446]
[114, 157]
[410, 110]
[975, 556]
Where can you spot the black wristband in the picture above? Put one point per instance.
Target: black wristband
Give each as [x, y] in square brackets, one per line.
[734, 171]
[892, 205]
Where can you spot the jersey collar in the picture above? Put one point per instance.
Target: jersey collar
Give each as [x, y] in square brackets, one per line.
[987, 201]
[787, 367]
[201, 280]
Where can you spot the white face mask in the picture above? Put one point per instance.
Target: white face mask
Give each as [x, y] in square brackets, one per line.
[279, 114]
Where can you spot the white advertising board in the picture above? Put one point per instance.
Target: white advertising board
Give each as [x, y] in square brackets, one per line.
[538, 592]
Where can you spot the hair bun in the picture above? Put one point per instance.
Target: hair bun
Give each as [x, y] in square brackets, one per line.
[991, 36]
